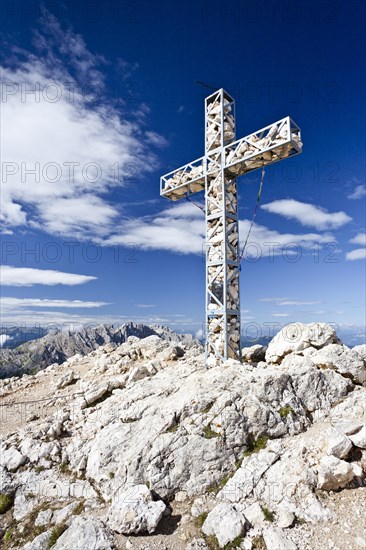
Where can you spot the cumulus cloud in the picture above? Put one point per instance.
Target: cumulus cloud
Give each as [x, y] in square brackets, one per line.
[358, 193]
[307, 214]
[66, 145]
[357, 254]
[27, 276]
[360, 238]
[4, 338]
[181, 228]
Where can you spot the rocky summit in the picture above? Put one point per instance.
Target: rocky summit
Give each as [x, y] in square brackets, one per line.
[138, 445]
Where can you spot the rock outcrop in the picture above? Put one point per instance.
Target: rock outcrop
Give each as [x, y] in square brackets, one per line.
[57, 347]
[143, 439]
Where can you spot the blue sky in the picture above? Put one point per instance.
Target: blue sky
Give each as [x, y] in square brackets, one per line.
[100, 99]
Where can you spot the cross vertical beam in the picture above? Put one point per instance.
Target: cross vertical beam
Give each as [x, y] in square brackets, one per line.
[222, 234]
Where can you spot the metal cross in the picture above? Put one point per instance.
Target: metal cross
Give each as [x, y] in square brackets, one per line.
[216, 173]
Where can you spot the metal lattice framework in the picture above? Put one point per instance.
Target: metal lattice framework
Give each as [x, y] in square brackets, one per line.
[217, 173]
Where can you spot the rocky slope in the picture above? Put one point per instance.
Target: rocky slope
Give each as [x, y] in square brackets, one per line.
[58, 346]
[140, 446]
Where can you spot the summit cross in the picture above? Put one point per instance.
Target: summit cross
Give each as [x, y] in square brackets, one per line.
[216, 173]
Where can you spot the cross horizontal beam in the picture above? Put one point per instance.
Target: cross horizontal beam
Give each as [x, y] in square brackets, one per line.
[266, 146]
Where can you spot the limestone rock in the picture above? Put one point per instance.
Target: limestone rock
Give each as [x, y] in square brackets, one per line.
[44, 517]
[181, 496]
[61, 515]
[336, 443]
[202, 505]
[85, 533]
[12, 459]
[276, 540]
[225, 523]
[296, 337]
[361, 350]
[343, 360]
[245, 479]
[7, 485]
[181, 429]
[41, 542]
[66, 380]
[334, 473]
[254, 514]
[254, 354]
[285, 519]
[349, 415]
[359, 438]
[134, 511]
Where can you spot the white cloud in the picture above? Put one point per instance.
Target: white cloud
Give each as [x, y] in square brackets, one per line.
[360, 239]
[79, 145]
[156, 139]
[357, 254]
[183, 210]
[85, 214]
[9, 303]
[199, 334]
[27, 276]
[272, 299]
[267, 242]
[176, 229]
[181, 228]
[297, 303]
[307, 214]
[280, 314]
[358, 193]
[288, 302]
[3, 339]
[145, 306]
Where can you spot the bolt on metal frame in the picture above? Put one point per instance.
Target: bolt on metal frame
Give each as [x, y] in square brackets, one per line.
[225, 159]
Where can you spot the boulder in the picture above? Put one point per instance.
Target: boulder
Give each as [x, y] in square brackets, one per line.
[39, 543]
[285, 519]
[63, 514]
[225, 523]
[7, 485]
[85, 533]
[138, 373]
[334, 473]
[276, 540]
[254, 354]
[296, 337]
[96, 392]
[12, 459]
[359, 438]
[254, 514]
[66, 380]
[361, 350]
[336, 443]
[343, 360]
[44, 517]
[134, 511]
